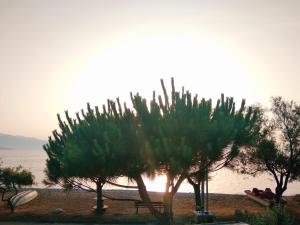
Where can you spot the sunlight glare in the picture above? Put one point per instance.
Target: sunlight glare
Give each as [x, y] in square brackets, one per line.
[201, 65]
[157, 185]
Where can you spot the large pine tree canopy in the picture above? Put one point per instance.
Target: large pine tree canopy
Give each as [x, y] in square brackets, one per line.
[172, 133]
[176, 135]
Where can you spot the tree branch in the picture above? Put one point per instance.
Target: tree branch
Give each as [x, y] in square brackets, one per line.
[121, 185]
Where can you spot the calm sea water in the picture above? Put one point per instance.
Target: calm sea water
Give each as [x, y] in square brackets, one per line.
[223, 181]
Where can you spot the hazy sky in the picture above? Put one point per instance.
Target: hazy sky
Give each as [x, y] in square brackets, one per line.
[57, 55]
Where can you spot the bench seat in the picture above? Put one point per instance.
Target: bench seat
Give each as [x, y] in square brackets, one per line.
[141, 204]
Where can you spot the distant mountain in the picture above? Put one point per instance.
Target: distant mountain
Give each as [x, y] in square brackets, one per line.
[19, 142]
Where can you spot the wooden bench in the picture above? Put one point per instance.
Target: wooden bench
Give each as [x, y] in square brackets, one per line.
[140, 204]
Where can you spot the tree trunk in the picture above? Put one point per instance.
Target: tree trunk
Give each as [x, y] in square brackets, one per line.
[278, 193]
[14, 187]
[206, 181]
[167, 217]
[144, 195]
[168, 206]
[197, 193]
[202, 196]
[164, 218]
[99, 209]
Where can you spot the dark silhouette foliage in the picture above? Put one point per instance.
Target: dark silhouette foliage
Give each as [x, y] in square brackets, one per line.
[186, 137]
[13, 178]
[176, 135]
[221, 132]
[88, 151]
[277, 149]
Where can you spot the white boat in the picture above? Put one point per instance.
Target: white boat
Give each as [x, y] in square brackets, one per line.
[22, 198]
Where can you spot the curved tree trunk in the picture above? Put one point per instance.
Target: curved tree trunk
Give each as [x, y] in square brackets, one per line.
[145, 197]
[170, 191]
[165, 218]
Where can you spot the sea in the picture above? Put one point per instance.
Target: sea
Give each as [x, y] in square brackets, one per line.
[223, 181]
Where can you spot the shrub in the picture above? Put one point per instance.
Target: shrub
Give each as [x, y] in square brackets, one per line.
[274, 216]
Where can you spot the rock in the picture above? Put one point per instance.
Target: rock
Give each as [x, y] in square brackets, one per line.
[57, 211]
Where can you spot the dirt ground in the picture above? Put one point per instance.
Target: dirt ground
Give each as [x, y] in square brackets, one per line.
[78, 206]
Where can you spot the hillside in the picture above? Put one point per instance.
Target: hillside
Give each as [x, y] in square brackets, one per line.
[19, 142]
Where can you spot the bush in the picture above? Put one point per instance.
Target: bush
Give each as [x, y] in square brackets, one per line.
[13, 177]
[274, 216]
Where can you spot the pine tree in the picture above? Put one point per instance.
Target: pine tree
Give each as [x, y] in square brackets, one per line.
[187, 138]
[177, 135]
[219, 137]
[88, 150]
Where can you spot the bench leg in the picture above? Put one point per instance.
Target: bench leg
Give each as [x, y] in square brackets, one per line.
[137, 210]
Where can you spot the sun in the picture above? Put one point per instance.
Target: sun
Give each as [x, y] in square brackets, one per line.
[202, 65]
[157, 185]
[137, 64]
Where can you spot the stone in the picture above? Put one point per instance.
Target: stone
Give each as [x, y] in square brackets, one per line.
[57, 211]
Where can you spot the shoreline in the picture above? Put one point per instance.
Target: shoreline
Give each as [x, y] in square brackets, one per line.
[77, 207]
[134, 190]
[223, 181]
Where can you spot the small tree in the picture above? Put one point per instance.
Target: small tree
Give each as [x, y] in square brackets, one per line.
[12, 178]
[219, 138]
[185, 137]
[165, 144]
[87, 152]
[277, 150]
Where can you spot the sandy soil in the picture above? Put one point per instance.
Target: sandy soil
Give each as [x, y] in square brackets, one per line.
[77, 207]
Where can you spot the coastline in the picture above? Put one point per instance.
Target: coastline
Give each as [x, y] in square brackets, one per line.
[80, 203]
[77, 206]
[223, 181]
